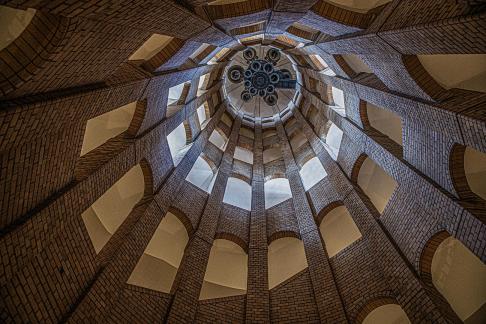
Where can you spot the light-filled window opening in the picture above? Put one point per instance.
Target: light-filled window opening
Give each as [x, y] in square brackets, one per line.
[318, 62]
[475, 170]
[333, 141]
[243, 154]
[178, 146]
[218, 139]
[386, 314]
[175, 93]
[202, 115]
[463, 71]
[276, 191]
[356, 63]
[227, 271]
[202, 84]
[152, 46]
[311, 173]
[460, 277]
[338, 230]
[286, 257]
[202, 175]
[237, 193]
[157, 267]
[338, 97]
[13, 22]
[103, 127]
[376, 183]
[385, 121]
[108, 212]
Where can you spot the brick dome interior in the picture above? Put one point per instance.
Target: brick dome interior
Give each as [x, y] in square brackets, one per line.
[137, 186]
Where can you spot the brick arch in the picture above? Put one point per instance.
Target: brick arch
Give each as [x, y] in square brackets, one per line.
[363, 114]
[425, 272]
[345, 66]
[210, 162]
[282, 234]
[275, 175]
[233, 238]
[458, 173]
[148, 179]
[237, 175]
[357, 167]
[422, 78]
[164, 55]
[188, 130]
[371, 305]
[183, 219]
[137, 119]
[45, 34]
[326, 210]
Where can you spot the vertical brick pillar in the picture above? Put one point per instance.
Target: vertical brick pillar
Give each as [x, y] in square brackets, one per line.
[96, 303]
[410, 291]
[327, 296]
[257, 297]
[193, 267]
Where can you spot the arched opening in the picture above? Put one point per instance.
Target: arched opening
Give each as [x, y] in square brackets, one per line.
[150, 47]
[12, 23]
[157, 267]
[384, 121]
[311, 173]
[475, 171]
[108, 212]
[297, 140]
[203, 83]
[202, 175]
[178, 146]
[238, 193]
[276, 191]
[359, 5]
[176, 98]
[333, 137]
[243, 154]
[203, 115]
[338, 97]
[463, 71]
[376, 184]
[338, 230]
[247, 132]
[103, 127]
[286, 257]
[457, 274]
[356, 63]
[219, 139]
[386, 314]
[226, 272]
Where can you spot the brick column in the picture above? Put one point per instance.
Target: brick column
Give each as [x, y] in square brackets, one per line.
[410, 291]
[327, 296]
[257, 296]
[193, 267]
[99, 297]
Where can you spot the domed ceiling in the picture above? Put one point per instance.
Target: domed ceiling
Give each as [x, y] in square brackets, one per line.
[257, 105]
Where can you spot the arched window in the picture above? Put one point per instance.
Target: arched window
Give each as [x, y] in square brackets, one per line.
[338, 230]
[152, 46]
[243, 154]
[178, 146]
[311, 173]
[461, 278]
[475, 170]
[226, 272]
[238, 193]
[157, 267]
[12, 23]
[219, 139]
[356, 63]
[376, 183]
[103, 127]
[386, 314]
[203, 115]
[106, 214]
[175, 93]
[286, 257]
[385, 121]
[203, 83]
[202, 175]
[359, 6]
[276, 191]
[338, 97]
[333, 141]
[464, 71]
